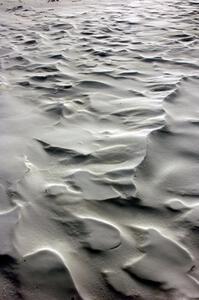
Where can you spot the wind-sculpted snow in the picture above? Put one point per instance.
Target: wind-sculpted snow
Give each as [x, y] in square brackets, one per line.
[99, 115]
